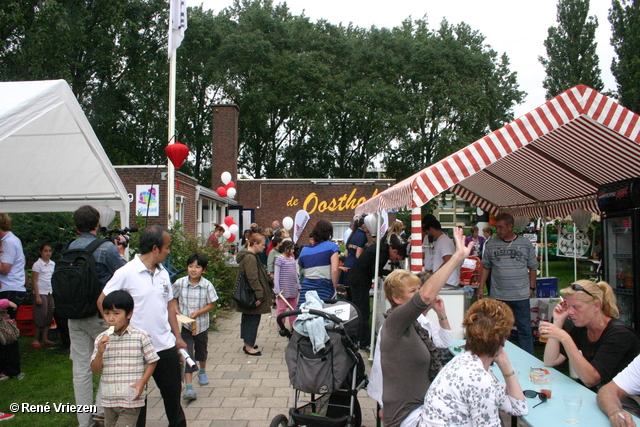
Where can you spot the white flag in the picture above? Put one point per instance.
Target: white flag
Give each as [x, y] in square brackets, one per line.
[177, 23]
[302, 217]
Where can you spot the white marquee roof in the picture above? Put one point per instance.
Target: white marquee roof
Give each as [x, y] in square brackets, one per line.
[51, 159]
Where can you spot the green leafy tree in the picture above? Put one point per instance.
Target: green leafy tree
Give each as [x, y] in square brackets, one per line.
[624, 16]
[571, 50]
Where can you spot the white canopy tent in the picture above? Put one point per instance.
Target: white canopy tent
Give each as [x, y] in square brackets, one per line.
[52, 160]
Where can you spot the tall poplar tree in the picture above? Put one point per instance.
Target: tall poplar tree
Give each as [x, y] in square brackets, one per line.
[571, 50]
[624, 16]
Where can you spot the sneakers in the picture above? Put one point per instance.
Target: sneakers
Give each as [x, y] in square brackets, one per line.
[202, 378]
[190, 395]
[6, 417]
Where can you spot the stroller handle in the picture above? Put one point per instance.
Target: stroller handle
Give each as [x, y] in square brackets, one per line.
[332, 317]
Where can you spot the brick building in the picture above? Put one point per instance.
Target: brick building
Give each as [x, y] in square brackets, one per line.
[197, 207]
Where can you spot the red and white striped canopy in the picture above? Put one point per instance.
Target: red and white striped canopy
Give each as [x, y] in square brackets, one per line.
[545, 163]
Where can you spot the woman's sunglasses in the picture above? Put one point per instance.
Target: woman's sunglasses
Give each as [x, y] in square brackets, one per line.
[533, 393]
[579, 288]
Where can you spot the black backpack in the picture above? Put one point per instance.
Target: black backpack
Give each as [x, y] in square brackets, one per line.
[75, 283]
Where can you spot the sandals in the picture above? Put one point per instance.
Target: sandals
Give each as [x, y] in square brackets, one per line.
[36, 345]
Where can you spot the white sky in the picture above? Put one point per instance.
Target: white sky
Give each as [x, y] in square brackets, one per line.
[516, 27]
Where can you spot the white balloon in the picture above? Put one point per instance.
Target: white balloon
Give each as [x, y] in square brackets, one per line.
[227, 234]
[231, 192]
[287, 223]
[233, 228]
[225, 177]
[225, 226]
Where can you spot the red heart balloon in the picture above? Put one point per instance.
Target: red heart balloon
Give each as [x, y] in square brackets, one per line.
[228, 220]
[231, 184]
[232, 238]
[222, 192]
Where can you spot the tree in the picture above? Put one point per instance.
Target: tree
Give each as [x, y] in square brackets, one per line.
[624, 16]
[456, 91]
[571, 50]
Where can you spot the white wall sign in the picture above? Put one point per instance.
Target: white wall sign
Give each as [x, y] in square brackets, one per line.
[147, 198]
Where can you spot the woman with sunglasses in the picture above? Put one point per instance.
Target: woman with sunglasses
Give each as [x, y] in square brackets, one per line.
[466, 392]
[599, 345]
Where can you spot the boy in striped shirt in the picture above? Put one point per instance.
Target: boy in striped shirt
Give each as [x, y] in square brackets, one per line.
[125, 356]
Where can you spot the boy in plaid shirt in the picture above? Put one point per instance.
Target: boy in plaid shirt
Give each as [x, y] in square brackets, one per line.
[195, 296]
[125, 356]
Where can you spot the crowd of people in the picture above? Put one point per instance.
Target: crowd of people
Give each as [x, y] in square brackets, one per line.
[135, 319]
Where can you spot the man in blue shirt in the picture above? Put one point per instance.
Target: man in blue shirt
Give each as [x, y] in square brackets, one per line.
[83, 332]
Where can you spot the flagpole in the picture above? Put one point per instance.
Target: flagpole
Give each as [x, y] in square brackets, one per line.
[171, 200]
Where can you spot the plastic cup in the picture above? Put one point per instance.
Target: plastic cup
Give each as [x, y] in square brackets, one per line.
[548, 387]
[572, 404]
[543, 321]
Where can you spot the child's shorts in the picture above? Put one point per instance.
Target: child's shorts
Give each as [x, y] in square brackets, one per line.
[199, 343]
[42, 314]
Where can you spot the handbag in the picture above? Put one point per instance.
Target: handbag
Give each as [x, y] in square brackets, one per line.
[243, 295]
[9, 332]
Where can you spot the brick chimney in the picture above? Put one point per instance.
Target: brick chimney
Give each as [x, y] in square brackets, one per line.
[224, 143]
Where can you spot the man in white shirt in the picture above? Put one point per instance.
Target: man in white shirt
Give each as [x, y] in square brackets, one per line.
[443, 248]
[155, 310]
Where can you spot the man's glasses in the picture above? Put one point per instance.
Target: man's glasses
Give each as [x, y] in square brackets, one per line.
[578, 288]
[533, 393]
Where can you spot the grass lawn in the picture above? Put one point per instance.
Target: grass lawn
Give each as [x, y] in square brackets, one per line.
[48, 380]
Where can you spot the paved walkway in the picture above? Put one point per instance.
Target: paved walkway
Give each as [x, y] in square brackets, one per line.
[243, 391]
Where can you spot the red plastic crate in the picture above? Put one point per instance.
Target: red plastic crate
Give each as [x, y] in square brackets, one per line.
[25, 312]
[27, 328]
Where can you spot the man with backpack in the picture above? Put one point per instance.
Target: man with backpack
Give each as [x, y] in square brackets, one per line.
[85, 322]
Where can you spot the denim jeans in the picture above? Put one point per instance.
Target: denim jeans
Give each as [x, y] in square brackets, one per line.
[522, 312]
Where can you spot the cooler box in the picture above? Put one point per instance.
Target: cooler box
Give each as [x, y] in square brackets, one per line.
[547, 287]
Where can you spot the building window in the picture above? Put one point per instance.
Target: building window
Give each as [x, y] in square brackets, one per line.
[446, 218]
[338, 230]
[179, 213]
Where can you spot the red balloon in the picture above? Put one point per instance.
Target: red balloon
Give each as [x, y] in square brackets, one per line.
[232, 238]
[228, 220]
[231, 184]
[222, 192]
[177, 153]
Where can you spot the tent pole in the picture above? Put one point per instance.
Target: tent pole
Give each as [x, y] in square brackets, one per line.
[171, 203]
[416, 241]
[546, 246]
[575, 254]
[376, 283]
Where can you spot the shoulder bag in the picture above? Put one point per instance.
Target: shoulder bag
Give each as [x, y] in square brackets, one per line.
[9, 332]
[243, 295]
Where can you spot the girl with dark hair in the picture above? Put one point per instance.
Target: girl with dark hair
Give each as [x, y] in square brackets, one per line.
[286, 279]
[41, 273]
[320, 263]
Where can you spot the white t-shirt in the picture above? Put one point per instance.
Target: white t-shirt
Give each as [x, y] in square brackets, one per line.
[45, 271]
[442, 247]
[629, 378]
[14, 255]
[427, 251]
[151, 294]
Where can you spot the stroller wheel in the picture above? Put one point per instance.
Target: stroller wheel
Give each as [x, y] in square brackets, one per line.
[279, 421]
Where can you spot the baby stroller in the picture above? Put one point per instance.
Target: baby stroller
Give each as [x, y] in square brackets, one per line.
[326, 383]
